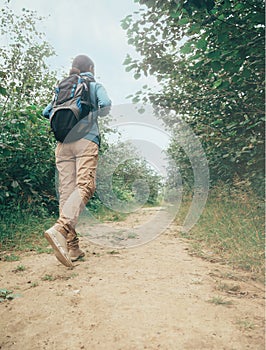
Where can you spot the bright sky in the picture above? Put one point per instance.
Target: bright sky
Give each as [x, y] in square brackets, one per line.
[93, 28]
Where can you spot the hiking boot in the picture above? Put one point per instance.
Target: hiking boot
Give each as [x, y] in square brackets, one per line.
[76, 254]
[59, 245]
[74, 251]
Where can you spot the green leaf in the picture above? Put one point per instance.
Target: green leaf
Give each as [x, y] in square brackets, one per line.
[137, 75]
[136, 99]
[216, 66]
[125, 23]
[225, 84]
[195, 28]
[201, 44]
[148, 3]
[222, 37]
[127, 60]
[183, 21]
[230, 67]
[246, 73]
[214, 54]
[3, 91]
[217, 83]
[217, 122]
[128, 68]
[175, 14]
[239, 6]
[186, 48]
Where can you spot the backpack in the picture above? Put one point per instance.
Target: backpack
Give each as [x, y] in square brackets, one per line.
[71, 104]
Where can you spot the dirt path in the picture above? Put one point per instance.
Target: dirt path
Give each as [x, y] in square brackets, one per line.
[154, 296]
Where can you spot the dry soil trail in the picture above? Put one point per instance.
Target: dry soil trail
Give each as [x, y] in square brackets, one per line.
[155, 296]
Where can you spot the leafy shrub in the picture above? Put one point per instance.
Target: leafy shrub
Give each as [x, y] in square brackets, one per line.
[27, 160]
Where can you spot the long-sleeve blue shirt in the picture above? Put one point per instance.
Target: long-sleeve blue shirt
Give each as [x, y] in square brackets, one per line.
[101, 105]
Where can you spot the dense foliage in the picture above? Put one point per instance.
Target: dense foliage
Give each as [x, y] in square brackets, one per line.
[27, 172]
[208, 57]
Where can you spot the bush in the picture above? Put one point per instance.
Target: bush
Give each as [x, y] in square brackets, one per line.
[27, 160]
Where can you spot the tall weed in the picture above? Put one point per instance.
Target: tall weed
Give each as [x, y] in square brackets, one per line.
[231, 227]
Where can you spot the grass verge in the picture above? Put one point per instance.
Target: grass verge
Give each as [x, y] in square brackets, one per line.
[231, 228]
[23, 231]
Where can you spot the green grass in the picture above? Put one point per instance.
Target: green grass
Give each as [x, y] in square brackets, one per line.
[24, 232]
[245, 325]
[19, 268]
[6, 294]
[228, 288]
[34, 284]
[105, 214]
[48, 278]
[220, 301]
[11, 257]
[231, 228]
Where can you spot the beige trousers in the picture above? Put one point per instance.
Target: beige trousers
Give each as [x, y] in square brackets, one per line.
[76, 163]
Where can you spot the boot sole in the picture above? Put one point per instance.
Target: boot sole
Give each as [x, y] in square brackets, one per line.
[78, 257]
[59, 251]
